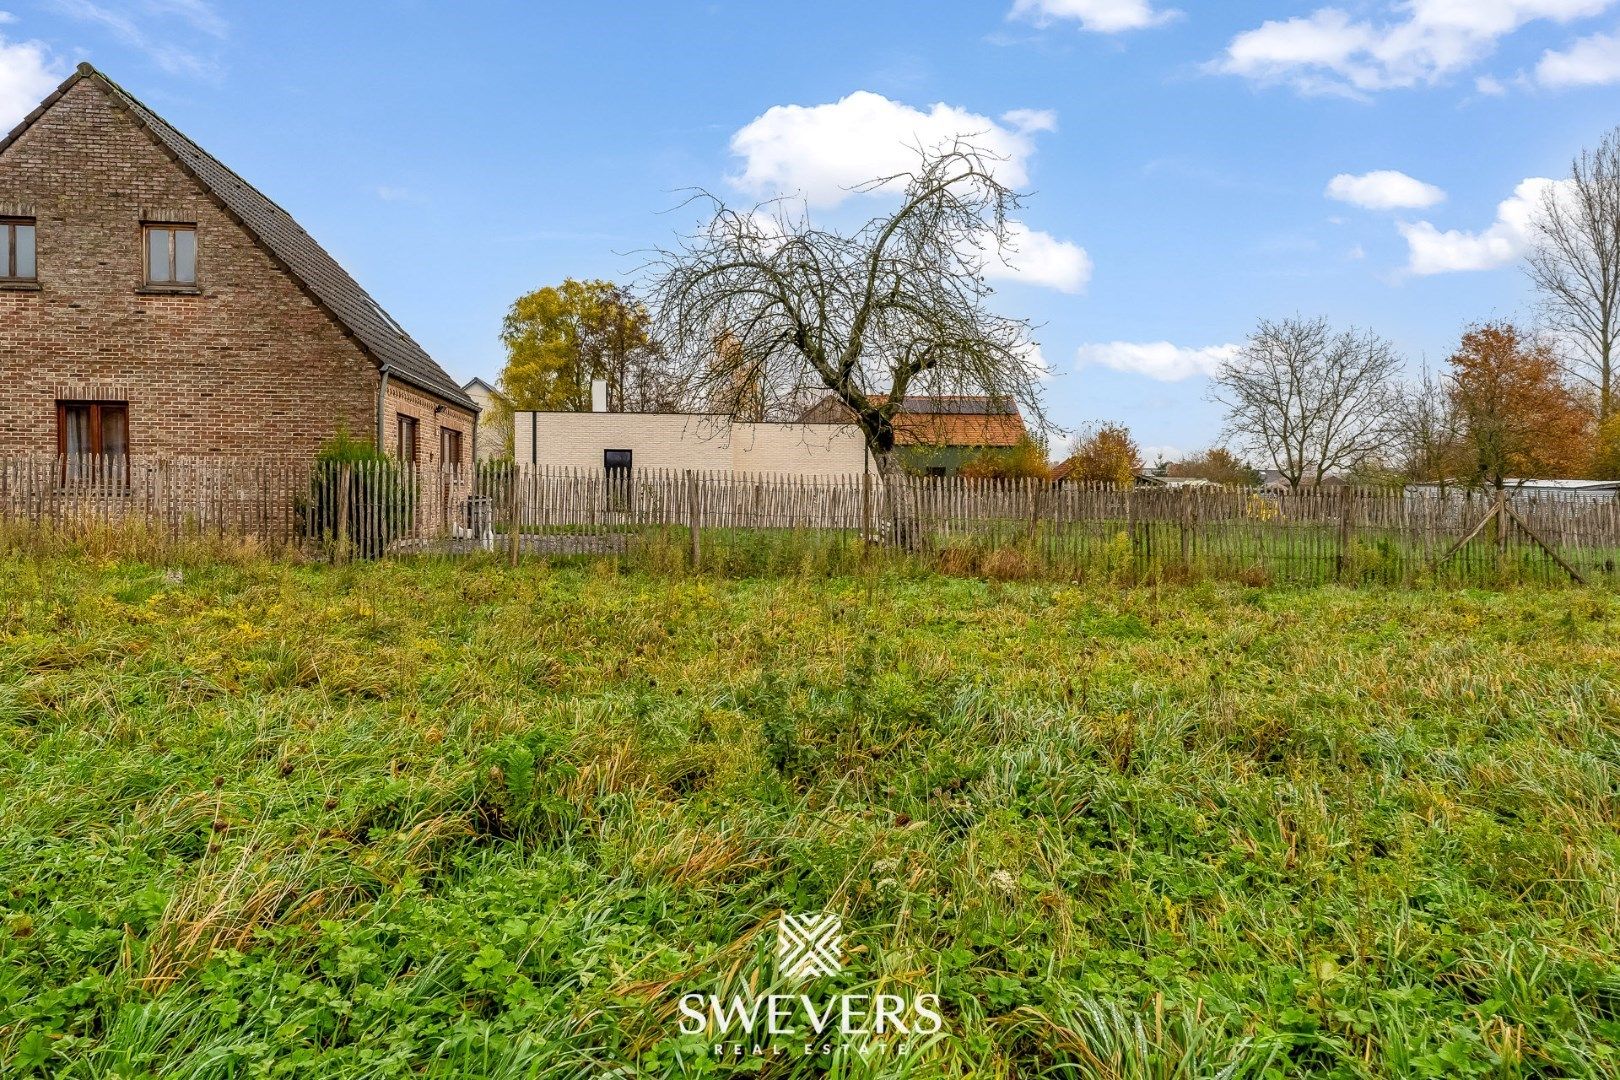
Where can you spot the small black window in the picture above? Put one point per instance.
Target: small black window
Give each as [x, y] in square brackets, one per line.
[17, 239]
[171, 255]
[936, 470]
[616, 460]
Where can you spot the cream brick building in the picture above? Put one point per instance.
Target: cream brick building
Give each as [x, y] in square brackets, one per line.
[678, 441]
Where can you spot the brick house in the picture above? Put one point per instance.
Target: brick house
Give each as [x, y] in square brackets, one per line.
[152, 302]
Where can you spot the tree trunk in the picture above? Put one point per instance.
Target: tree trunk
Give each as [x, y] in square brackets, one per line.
[905, 531]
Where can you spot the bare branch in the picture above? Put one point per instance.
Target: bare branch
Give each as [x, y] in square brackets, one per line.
[899, 306]
[1575, 266]
[1310, 401]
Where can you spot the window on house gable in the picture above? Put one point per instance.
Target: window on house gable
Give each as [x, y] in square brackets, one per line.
[171, 255]
[405, 450]
[18, 256]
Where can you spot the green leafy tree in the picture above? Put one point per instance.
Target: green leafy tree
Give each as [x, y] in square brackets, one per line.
[561, 337]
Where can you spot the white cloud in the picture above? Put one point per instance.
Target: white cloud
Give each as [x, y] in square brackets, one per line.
[28, 74]
[1037, 258]
[822, 152]
[1159, 360]
[1099, 16]
[1384, 189]
[150, 27]
[1490, 86]
[1591, 61]
[1506, 240]
[1419, 42]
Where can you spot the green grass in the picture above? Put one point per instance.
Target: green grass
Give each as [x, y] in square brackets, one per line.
[460, 820]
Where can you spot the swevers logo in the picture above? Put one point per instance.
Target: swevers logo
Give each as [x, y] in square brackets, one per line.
[810, 945]
[775, 1025]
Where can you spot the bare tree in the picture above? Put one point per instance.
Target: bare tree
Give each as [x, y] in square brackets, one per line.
[900, 306]
[1310, 400]
[1575, 265]
[1427, 431]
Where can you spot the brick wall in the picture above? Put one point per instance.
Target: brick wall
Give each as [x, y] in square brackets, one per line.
[431, 415]
[249, 365]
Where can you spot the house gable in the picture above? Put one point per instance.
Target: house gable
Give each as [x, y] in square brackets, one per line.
[253, 362]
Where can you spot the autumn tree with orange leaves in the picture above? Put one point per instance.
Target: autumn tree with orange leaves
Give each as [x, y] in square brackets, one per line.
[1106, 454]
[1519, 418]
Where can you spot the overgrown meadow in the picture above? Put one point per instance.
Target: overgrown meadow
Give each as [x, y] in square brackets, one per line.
[263, 819]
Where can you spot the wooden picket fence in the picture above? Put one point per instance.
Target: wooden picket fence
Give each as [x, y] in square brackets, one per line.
[383, 509]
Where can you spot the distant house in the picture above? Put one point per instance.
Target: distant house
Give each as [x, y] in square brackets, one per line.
[153, 302]
[936, 434]
[714, 442]
[494, 436]
[1063, 474]
[1273, 480]
[1596, 490]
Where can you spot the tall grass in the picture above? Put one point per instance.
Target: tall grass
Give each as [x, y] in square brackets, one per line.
[261, 818]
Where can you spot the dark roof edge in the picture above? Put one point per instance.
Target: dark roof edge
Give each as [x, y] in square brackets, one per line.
[83, 71]
[115, 92]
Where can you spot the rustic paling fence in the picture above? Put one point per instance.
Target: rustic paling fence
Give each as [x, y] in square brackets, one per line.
[375, 509]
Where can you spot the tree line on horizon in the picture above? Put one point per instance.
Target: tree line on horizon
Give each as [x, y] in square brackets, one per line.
[760, 312]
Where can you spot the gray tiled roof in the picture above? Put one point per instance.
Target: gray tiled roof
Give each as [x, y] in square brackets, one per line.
[330, 284]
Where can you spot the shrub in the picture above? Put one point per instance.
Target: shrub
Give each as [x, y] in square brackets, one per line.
[356, 493]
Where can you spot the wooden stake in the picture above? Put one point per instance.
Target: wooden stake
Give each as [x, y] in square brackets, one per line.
[1548, 548]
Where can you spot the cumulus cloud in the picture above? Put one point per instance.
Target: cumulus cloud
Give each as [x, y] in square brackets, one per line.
[1159, 360]
[822, 152]
[1591, 61]
[28, 73]
[1384, 189]
[1037, 258]
[1418, 42]
[1507, 239]
[1098, 16]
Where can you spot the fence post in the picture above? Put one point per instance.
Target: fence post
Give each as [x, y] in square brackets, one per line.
[343, 513]
[1131, 525]
[514, 531]
[1501, 529]
[866, 515]
[1035, 487]
[1186, 527]
[693, 517]
[1346, 509]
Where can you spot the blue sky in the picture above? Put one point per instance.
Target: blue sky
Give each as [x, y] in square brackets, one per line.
[1181, 158]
